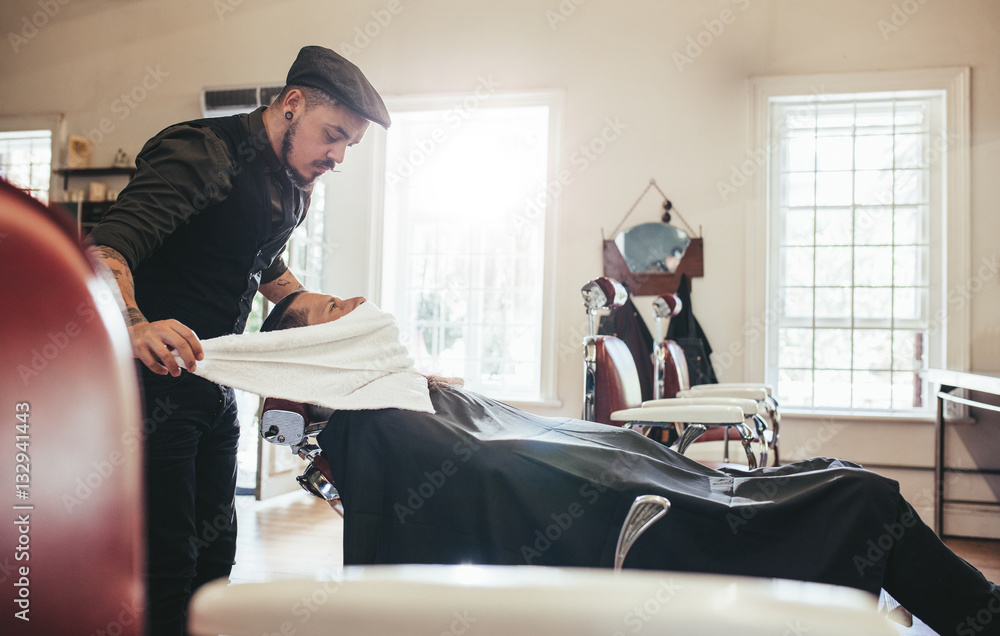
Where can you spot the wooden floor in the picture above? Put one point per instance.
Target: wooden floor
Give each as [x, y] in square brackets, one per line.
[290, 536]
[298, 536]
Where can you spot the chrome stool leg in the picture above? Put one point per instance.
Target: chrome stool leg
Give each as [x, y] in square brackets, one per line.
[688, 436]
[645, 511]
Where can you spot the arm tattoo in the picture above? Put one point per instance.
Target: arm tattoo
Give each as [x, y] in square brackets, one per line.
[285, 283]
[109, 252]
[134, 317]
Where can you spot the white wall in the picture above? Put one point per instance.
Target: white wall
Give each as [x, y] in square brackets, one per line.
[686, 125]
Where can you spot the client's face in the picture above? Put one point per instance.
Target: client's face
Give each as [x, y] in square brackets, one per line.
[320, 308]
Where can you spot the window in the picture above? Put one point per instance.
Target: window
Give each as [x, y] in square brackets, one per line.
[26, 161]
[465, 232]
[306, 246]
[857, 217]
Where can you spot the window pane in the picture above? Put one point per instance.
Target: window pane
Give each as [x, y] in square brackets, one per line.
[795, 347]
[873, 266]
[833, 389]
[911, 116]
[874, 115]
[833, 349]
[800, 153]
[873, 302]
[795, 386]
[833, 226]
[835, 116]
[873, 226]
[872, 390]
[872, 349]
[909, 303]
[797, 268]
[833, 302]
[798, 302]
[910, 226]
[800, 189]
[873, 187]
[907, 391]
[834, 153]
[798, 227]
[909, 151]
[910, 187]
[908, 265]
[873, 152]
[26, 161]
[908, 350]
[833, 188]
[834, 266]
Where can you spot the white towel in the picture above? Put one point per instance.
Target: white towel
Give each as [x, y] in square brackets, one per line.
[354, 363]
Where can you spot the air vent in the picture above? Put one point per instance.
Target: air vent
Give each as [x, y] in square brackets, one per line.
[228, 101]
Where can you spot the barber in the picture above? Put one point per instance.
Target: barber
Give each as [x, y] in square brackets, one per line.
[195, 234]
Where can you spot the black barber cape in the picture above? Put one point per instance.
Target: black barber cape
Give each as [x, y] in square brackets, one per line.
[482, 482]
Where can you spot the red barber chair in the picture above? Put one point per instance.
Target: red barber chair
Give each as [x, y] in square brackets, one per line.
[672, 380]
[73, 531]
[612, 392]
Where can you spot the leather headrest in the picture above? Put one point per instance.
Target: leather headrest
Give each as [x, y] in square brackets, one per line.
[602, 293]
[667, 306]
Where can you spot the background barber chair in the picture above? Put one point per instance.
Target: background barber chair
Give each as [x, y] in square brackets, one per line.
[612, 382]
[671, 380]
[68, 370]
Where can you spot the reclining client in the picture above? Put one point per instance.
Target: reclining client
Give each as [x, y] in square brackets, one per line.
[478, 481]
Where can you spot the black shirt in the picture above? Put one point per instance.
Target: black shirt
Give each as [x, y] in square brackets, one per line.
[203, 221]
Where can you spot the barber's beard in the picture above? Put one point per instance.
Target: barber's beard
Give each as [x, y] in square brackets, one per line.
[287, 144]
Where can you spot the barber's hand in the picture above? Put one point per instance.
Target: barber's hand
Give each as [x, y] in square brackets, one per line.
[156, 342]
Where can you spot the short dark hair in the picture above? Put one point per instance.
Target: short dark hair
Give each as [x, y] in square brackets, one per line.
[282, 316]
[313, 97]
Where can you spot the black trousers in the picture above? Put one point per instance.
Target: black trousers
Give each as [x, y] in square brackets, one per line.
[191, 438]
[930, 580]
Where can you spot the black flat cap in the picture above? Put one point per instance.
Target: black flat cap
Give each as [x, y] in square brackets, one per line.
[320, 68]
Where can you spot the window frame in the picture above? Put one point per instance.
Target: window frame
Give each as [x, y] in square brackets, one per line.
[56, 124]
[554, 101]
[953, 246]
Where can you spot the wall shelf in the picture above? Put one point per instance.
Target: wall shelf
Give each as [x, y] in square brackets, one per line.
[92, 172]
